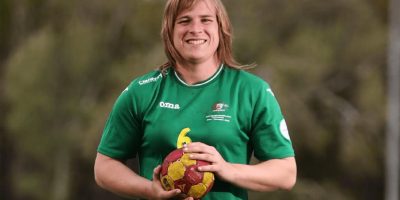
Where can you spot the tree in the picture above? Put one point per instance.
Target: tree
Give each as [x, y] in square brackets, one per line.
[393, 106]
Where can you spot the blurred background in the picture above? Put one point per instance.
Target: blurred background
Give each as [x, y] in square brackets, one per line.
[64, 63]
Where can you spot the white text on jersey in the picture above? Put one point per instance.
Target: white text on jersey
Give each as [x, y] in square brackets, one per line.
[150, 80]
[169, 105]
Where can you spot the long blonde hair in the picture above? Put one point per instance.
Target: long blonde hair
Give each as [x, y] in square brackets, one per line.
[173, 8]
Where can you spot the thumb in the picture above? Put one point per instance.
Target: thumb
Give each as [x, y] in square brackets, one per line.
[156, 173]
[156, 179]
[172, 193]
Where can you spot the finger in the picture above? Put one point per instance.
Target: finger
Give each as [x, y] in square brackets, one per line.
[171, 193]
[156, 173]
[157, 169]
[198, 147]
[197, 144]
[207, 168]
[203, 156]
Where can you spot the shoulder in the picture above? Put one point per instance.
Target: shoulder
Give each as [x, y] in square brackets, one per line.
[139, 94]
[147, 79]
[142, 84]
[246, 79]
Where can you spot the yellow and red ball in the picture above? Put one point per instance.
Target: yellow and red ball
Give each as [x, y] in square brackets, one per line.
[179, 171]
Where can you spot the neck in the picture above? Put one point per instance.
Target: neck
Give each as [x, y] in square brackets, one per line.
[193, 73]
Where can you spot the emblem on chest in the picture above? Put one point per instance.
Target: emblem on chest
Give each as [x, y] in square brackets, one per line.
[219, 112]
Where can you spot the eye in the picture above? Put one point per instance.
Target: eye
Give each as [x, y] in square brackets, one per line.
[183, 21]
[206, 20]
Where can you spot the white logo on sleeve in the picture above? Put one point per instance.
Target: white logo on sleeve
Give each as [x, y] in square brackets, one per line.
[150, 80]
[270, 91]
[284, 130]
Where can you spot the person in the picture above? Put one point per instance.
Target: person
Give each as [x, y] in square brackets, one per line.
[231, 113]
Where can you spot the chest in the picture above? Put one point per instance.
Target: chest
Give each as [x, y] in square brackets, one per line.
[215, 116]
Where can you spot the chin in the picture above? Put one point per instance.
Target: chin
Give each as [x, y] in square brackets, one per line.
[195, 58]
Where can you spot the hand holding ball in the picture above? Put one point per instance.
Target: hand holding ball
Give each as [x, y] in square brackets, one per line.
[178, 171]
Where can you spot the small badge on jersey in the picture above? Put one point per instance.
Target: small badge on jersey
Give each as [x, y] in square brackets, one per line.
[284, 130]
[220, 107]
[218, 113]
[270, 91]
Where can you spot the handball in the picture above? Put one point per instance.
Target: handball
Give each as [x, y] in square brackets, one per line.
[180, 172]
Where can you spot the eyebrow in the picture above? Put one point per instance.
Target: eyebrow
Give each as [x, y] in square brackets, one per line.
[201, 16]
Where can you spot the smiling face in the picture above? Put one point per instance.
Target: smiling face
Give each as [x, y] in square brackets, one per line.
[195, 34]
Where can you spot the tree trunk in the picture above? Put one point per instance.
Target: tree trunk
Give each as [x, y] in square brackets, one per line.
[393, 127]
[61, 174]
[6, 144]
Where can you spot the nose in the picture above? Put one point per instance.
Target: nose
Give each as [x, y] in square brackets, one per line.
[196, 27]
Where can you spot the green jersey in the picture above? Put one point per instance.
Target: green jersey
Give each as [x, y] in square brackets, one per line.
[234, 111]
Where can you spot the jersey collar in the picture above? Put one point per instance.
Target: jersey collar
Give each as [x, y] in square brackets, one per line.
[201, 83]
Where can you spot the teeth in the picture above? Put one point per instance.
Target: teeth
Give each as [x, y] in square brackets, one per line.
[196, 42]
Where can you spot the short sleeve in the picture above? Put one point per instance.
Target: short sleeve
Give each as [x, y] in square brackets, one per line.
[121, 135]
[270, 136]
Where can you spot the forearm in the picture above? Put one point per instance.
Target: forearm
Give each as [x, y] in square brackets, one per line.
[116, 177]
[265, 176]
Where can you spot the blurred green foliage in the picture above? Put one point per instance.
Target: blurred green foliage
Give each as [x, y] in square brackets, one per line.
[63, 63]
